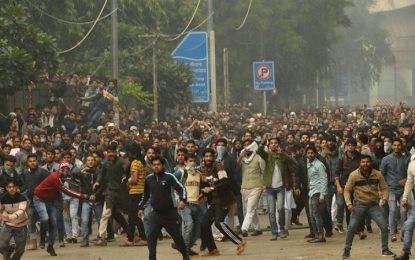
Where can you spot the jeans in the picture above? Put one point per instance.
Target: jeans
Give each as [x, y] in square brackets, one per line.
[409, 230]
[316, 213]
[70, 218]
[276, 196]
[19, 234]
[358, 214]
[47, 212]
[250, 198]
[87, 207]
[31, 221]
[394, 211]
[191, 220]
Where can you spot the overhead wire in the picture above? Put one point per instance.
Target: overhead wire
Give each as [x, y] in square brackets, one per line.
[246, 16]
[188, 25]
[66, 21]
[87, 34]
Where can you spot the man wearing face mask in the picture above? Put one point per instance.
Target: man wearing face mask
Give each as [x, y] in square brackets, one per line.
[234, 180]
[252, 169]
[7, 172]
[192, 213]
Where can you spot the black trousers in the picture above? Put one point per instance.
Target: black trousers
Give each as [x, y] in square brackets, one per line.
[133, 219]
[170, 221]
[216, 214]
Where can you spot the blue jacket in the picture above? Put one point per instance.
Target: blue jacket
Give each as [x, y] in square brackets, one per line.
[394, 168]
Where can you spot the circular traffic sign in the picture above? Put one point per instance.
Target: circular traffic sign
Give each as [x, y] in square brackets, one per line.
[263, 72]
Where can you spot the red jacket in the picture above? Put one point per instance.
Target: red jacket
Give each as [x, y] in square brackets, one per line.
[49, 188]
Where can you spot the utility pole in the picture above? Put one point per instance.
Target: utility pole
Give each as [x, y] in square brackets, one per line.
[226, 76]
[114, 39]
[212, 58]
[155, 87]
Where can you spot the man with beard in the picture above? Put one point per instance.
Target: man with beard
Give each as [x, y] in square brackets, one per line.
[112, 180]
[366, 184]
[220, 198]
[280, 174]
[31, 178]
[158, 188]
[21, 156]
[331, 154]
[50, 165]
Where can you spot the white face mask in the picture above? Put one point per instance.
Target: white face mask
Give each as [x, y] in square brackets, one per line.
[387, 147]
[221, 151]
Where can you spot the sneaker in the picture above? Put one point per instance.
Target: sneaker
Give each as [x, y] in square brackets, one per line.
[329, 233]
[192, 253]
[362, 235]
[339, 228]
[283, 234]
[387, 252]
[403, 256]
[241, 248]
[51, 251]
[214, 252]
[274, 237]
[310, 236]
[244, 233]
[256, 233]
[346, 254]
[101, 242]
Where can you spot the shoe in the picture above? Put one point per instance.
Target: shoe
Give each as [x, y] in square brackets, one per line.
[297, 223]
[101, 242]
[403, 256]
[317, 240]
[51, 251]
[192, 253]
[214, 252]
[387, 252]
[61, 244]
[42, 243]
[346, 254]
[241, 248]
[32, 245]
[283, 234]
[362, 235]
[142, 243]
[339, 228]
[173, 245]
[74, 240]
[111, 239]
[274, 237]
[256, 233]
[329, 233]
[84, 243]
[310, 236]
[393, 238]
[244, 233]
[369, 229]
[127, 244]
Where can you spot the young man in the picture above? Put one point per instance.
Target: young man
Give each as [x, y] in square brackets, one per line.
[192, 213]
[317, 179]
[158, 188]
[219, 198]
[13, 213]
[365, 183]
[410, 222]
[46, 202]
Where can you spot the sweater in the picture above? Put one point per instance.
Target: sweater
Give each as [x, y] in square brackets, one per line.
[48, 190]
[15, 207]
[252, 172]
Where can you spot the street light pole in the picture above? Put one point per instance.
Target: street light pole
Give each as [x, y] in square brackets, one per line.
[114, 39]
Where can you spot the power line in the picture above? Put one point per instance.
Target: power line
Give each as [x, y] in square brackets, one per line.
[70, 22]
[190, 22]
[87, 34]
[246, 16]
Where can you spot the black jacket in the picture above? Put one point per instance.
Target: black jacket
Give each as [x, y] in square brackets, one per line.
[31, 179]
[159, 186]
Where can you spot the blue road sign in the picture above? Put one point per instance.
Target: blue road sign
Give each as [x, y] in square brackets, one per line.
[264, 76]
[193, 51]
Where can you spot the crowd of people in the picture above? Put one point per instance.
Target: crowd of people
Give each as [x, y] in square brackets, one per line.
[63, 168]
